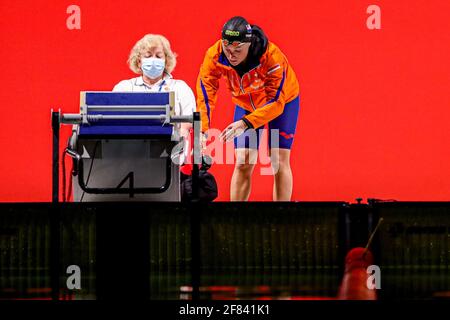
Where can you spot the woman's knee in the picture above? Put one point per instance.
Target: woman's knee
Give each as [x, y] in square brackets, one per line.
[245, 160]
[245, 169]
[280, 160]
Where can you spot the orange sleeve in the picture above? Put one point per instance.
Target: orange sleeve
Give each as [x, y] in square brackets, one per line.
[207, 86]
[274, 86]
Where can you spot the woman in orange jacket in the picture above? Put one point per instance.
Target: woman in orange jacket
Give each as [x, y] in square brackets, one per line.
[264, 89]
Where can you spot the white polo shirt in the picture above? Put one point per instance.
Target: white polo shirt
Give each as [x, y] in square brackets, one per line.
[184, 97]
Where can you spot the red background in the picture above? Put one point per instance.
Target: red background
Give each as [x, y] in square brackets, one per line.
[375, 103]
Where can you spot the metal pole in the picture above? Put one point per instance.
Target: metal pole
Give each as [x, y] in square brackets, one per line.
[54, 212]
[55, 160]
[197, 156]
[195, 213]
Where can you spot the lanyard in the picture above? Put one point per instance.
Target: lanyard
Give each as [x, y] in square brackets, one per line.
[162, 83]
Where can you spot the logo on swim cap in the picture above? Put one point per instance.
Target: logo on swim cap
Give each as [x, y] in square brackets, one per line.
[232, 33]
[237, 29]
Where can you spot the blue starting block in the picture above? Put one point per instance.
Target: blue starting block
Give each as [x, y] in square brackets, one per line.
[127, 113]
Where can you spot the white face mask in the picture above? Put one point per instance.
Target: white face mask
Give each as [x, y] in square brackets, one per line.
[153, 67]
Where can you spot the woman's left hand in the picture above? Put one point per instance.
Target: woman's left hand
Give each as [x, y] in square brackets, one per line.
[232, 131]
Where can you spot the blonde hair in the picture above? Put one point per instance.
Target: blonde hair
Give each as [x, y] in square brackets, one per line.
[148, 42]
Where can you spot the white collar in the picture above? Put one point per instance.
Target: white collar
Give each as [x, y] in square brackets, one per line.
[140, 80]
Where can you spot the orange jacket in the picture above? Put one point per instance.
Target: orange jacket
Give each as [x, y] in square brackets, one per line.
[263, 91]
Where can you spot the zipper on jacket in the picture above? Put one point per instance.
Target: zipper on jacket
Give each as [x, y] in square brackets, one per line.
[251, 101]
[242, 78]
[242, 86]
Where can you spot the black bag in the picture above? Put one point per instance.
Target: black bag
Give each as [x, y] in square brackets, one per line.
[207, 185]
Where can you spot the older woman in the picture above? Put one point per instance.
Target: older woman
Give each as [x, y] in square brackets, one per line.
[153, 60]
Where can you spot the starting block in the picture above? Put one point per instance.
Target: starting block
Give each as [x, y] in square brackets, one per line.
[126, 146]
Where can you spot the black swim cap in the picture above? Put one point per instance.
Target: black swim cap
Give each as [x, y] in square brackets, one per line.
[237, 29]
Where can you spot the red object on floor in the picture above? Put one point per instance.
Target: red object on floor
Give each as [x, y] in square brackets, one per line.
[354, 283]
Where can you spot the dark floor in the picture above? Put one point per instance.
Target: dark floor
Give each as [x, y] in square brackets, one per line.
[257, 251]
